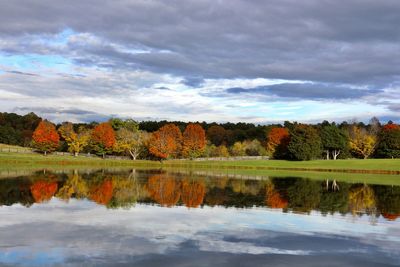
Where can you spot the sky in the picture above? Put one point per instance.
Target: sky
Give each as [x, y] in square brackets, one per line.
[254, 61]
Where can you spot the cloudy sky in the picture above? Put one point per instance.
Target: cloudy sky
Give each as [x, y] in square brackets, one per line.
[254, 61]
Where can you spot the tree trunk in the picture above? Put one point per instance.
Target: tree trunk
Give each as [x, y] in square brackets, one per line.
[45, 153]
[133, 155]
[104, 156]
[327, 154]
[75, 154]
[335, 154]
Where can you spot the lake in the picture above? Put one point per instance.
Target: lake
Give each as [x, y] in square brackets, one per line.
[188, 218]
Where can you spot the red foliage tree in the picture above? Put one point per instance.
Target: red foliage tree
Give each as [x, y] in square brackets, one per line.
[192, 193]
[45, 137]
[194, 140]
[103, 138]
[278, 140]
[43, 191]
[164, 190]
[166, 142]
[102, 193]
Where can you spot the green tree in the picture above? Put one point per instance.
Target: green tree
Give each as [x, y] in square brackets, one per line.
[334, 140]
[305, 143]
[389, 142]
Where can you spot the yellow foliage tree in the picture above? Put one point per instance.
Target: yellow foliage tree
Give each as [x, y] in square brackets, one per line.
[76, 141]
[361, 142]
[132, 142]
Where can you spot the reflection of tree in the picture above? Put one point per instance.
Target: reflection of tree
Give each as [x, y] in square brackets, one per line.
[362, 199]
[101, 193]
[333, 200]
[164, 190]
[304, 195]
[74, 186]
[390, 216]
[273, 199]
[126, 191]
[388, 201]
[43, 191]
[15, 191]
[193, 192]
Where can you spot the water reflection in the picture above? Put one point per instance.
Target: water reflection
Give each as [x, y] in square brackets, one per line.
[125, 189]
[157, 218]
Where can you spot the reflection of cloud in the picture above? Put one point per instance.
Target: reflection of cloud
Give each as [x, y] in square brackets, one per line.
[83, 230]
[245, 248]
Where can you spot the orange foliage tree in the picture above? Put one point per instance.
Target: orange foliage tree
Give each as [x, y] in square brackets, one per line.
[273, 199]
[193, 193]
[166, 142]
[194, 141]
[45, 137]
[390, 126]
[43, 191]
[164, 190]
[102, 193]
[277, 141]
[103, 138]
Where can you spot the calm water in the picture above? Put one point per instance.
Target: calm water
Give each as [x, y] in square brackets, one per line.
[156, 218]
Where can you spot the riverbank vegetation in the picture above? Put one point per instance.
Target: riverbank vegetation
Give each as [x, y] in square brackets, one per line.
[174, 140]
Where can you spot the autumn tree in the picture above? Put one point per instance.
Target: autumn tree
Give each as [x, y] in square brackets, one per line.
[194, 141]
[132, 142]
[254, 148]
[277, 142]
[238, 149]
[305, 143]
[103, 138]
[166, 142]
[389, 142]
[219, 151]
[165, 190]
[76, 141]
[334, 140]
[361, 142]
[217, 135]
[45, 137]
[193, 192]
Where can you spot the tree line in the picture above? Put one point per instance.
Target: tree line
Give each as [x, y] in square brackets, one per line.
[168, 140]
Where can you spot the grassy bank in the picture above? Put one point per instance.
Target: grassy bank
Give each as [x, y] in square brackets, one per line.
[377, 166]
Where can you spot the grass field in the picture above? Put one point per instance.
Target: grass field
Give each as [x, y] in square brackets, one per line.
[377, 171]
[385, 166]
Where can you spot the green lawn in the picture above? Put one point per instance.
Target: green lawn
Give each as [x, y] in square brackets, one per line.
[350, 165]
[361, 171]
[334, 165]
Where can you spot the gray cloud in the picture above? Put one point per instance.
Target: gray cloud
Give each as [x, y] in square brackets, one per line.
[313, 91]
[318, 41]
[54, 114]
